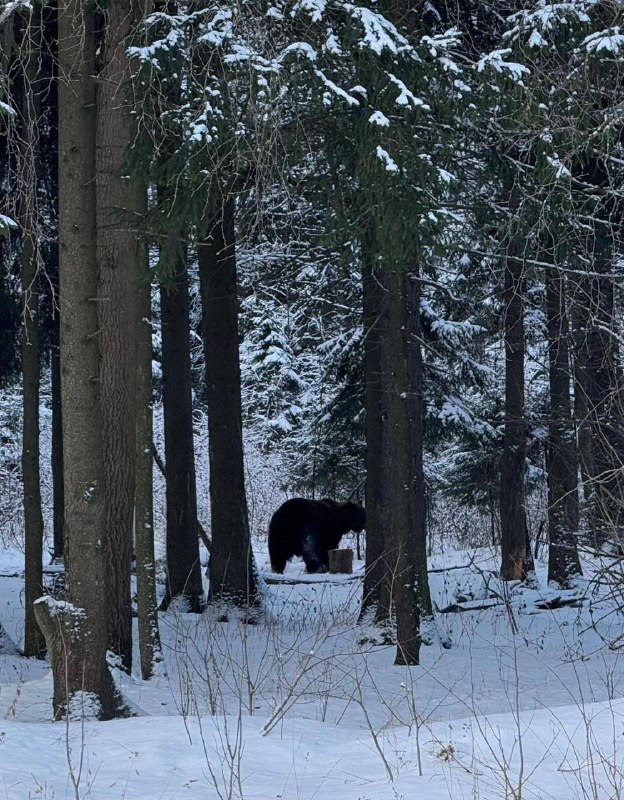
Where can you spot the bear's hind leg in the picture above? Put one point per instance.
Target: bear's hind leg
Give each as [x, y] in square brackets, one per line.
[315, 557]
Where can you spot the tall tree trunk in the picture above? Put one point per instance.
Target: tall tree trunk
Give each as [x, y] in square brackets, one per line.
[418, 541]
[77, 631]
[58, 500]
[512, 509]
[579, 318]
[116, 257]
[232, 575]
[183, 565]
[398, 460]
[563, 509]
[49, 179]
[601, 381]
[149, 637]
[34, 643]
[373, 395]
[604, 393]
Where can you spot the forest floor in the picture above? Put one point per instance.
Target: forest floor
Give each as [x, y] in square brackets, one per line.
[528, 701]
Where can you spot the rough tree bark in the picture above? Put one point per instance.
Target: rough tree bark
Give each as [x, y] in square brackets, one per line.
[602, 379]
[563, 508]
[374, 569]
[48, 158]
[400, 437]
[232, 575]
[77, 631]
[116, 257]
[34, 642]
[599, 388]
[29, 105]
[183, 565]
[512, 510]
[603, 386]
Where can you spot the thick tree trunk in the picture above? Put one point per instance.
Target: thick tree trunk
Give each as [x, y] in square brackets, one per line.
[374, 569]
[512, 510]
[600, 378]
[603, 386]
[563, 508]
[116, 257]
[232, 575]
[400, 437]
[77, 637]
[34, 642]
[183, 566]
[149, 637]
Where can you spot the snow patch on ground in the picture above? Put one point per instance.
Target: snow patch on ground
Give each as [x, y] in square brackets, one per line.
[298, 706]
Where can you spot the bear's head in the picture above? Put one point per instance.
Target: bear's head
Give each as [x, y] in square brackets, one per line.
[352, 516]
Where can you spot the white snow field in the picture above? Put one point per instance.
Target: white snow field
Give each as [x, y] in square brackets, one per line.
[527, 703]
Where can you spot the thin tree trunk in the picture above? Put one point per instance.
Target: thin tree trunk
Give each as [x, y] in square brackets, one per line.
[397, 464]
[579, 317]
[34, 642]
[374, 569]
[512, 508]
[563, 509]
[49, 178]
[418, 528]
[77, 631]
[183, 565]
[58, 500]
[232, 575]
[149, 637]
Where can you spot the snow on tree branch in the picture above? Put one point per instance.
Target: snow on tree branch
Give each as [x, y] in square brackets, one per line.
[6, 225]
[496, 61]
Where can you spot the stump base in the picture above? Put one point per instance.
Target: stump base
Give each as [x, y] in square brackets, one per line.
[341, 562]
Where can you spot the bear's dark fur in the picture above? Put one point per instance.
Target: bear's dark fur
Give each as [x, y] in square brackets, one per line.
[311, 528]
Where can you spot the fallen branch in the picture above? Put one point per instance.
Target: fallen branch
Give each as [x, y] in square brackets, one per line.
[475, 605]
[560, 601]
[302, 580]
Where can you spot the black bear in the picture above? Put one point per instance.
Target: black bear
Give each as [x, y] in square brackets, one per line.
[311, 528]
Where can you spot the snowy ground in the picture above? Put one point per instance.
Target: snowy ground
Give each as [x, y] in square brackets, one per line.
[527, 703]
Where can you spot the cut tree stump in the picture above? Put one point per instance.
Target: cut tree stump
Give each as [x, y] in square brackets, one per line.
[341, 561]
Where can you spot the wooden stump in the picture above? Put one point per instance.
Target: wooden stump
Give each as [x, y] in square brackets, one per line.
[341, 561]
